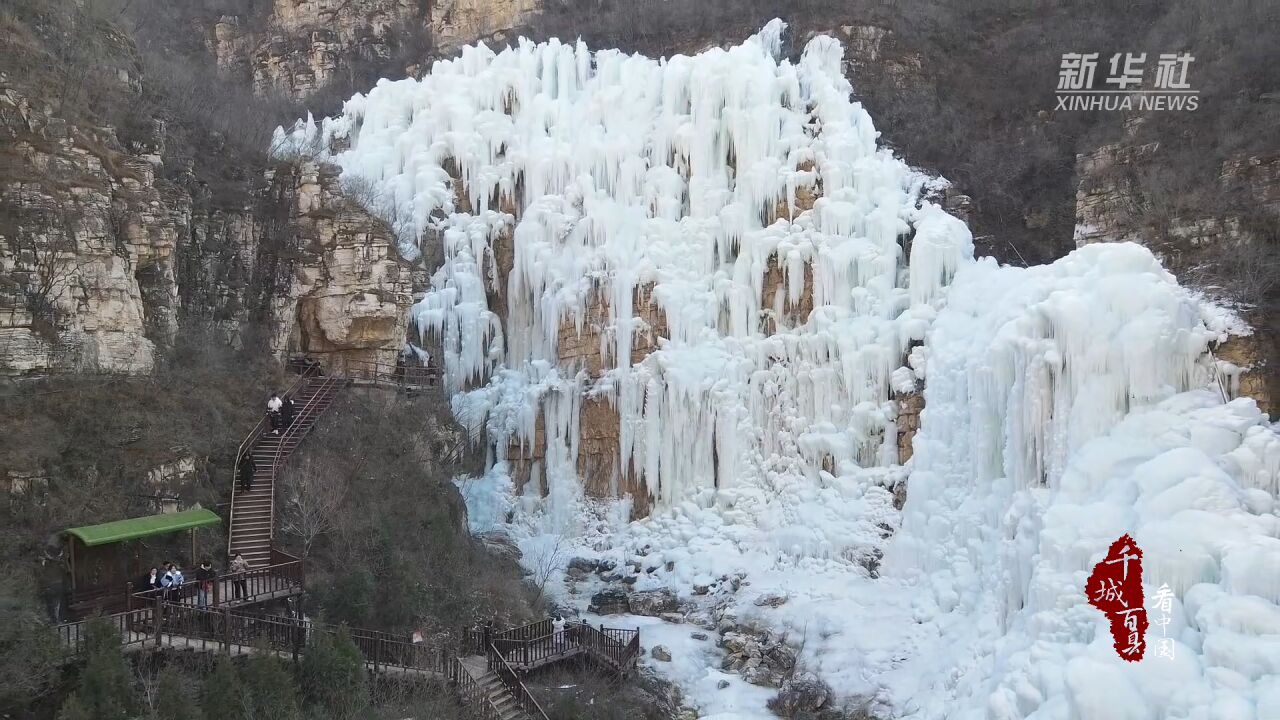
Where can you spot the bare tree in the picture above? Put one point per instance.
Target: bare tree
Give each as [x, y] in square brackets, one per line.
[313, 497]
[546, 565]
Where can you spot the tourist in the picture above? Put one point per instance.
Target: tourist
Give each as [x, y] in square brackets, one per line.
[286, 413]
[273, 412]
[247, 469]
[172, 582]
[239, 566]
[557, 633]
[205, 577]
[153, 579]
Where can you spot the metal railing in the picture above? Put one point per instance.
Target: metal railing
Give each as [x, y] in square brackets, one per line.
[377, 372]
[372, 371]
[298, 427]
[252, 439]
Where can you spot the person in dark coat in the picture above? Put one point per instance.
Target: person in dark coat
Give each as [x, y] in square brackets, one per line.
[247, 469]
[149, 586]
[286, 413]
[205, 577]
[153, 580]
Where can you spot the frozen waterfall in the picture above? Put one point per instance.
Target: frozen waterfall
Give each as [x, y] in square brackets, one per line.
[725, 232]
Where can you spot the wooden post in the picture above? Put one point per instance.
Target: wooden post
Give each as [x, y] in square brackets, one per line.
[159, 616]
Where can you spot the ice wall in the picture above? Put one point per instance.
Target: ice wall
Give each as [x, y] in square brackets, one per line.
[689, 179]
[1062, 411]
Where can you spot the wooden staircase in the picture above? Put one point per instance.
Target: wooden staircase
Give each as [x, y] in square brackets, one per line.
[497, 700]
[252, 528]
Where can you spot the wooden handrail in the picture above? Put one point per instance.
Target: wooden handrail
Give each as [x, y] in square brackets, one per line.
[507, 675]
[258, 581]
[221, 629]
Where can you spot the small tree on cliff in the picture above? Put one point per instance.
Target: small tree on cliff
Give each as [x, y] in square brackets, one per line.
[221, 695]
[270, 692]
[332, 674]
[104, 691]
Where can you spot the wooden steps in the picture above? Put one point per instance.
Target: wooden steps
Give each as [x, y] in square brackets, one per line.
[500, 698]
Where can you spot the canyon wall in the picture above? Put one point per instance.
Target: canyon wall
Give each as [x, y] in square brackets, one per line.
[103, 264]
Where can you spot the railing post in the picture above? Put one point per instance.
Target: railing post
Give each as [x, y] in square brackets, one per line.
[159, 613]
[226, 629]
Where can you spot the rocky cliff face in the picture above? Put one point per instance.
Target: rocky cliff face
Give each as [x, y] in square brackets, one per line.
[1229, 252]
[103, 263]
[127, 253]
[86, 248]
[302, 46]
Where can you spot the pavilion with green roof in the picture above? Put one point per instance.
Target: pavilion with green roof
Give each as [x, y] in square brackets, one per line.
[103, 559]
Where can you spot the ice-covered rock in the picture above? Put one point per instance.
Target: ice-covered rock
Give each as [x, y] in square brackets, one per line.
[653, 602]
[610, 601]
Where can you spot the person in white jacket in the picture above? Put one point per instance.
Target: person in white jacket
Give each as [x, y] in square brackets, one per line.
[273, 412]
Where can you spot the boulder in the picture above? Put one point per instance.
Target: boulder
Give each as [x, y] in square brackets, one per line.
[653, 602]
[584, 565]
[610, 601]
[771, 600]
[804, 693]
[661, 653]
[499, 543]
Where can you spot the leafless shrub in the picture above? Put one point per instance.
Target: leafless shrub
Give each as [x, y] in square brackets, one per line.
[313, 496]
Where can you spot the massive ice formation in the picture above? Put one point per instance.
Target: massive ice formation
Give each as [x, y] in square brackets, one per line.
[688, 181]
[726, 233]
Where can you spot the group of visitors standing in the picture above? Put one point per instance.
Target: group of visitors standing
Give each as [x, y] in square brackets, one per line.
[172, 583]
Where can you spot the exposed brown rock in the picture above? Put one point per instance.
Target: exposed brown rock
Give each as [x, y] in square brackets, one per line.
[1257, 380]
[909, 407]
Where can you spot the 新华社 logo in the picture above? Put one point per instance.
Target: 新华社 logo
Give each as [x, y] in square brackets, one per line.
[1124, 82]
